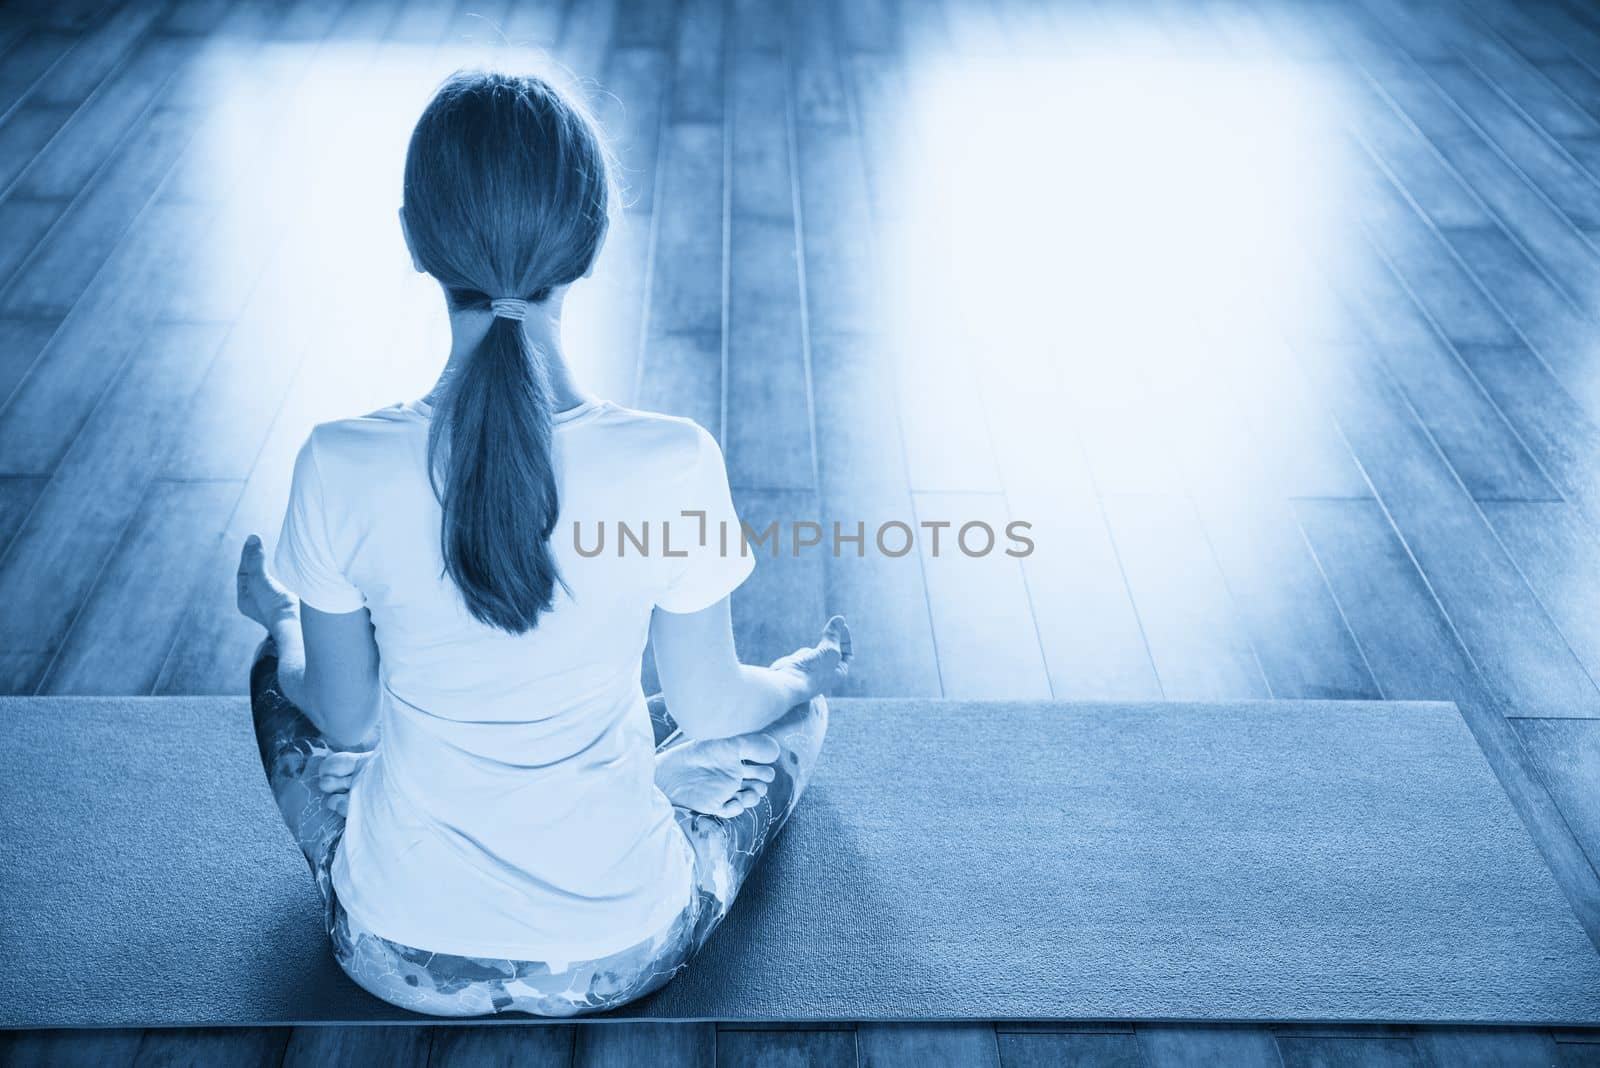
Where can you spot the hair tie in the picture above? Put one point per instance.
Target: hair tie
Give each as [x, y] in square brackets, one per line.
[509, 308]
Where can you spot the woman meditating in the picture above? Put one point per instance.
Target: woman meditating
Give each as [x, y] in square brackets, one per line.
[448, 702]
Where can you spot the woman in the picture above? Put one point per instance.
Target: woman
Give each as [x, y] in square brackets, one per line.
[448, 702]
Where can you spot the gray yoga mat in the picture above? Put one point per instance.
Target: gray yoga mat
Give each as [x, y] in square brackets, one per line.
[952, 860]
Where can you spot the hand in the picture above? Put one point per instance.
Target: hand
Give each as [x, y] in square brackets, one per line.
[261, 597]
[336, 773]
[718, 776]
[821, 667]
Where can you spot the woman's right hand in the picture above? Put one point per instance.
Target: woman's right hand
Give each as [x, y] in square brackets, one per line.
[818, 669]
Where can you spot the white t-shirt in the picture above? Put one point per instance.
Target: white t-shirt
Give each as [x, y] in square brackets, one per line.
[510, 810]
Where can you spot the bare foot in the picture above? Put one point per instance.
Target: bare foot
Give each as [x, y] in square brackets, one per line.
[261, 598]
[718, 776]
[823, 666]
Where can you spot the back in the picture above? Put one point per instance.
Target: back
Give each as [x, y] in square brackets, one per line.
[511, 809]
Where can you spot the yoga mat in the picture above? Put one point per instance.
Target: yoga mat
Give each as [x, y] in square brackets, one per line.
[952, 860]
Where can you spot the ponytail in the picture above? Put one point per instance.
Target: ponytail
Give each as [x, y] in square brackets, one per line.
[490, 463]
[507, 196]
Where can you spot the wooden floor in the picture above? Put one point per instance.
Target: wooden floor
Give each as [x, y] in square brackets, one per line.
[1276, 320]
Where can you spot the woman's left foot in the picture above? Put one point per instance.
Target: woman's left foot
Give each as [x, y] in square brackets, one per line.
[718, 776]
[261, 597]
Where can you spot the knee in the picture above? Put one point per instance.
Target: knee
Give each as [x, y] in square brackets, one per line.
[799, 734]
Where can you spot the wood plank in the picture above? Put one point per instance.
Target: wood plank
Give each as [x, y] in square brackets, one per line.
[757, 25]
[27, 62]
[1183, 1046]
[787, 1049]
[1308, 1051]
[1198, 645]
[21, 342]
[868, 26]
[1060, 1050]
[841, 282]
[1577, 1055]
[56, 557]
[1428, 178]
[698, 62]
[645, 23]
[1523, 83]
[393, 1047]
[682, 375]
[812, 49]
[954, 1045]
[47, 1049]
[45, 412]
[668, 1045]
[117, 643]
[23, 136]
[1550, 237]
[537, 1045]
[1559, 555]
[763, 187]
[17, 498]
[1415, 654]
[781, 605]
[83, 144]
[864, 486]
[96, 54]
[1300, 639]
[1567, 755]
[1487, 1048]
[244, 1047]
[631, 118]
[61, 267]
[1437, 281]
[1564, 438]
[1090, 633]
[1500, 622]
[1484, 450]
[983, 626]
[687, 272]
[769, 440]
[586, 32]
[1544, 316]
[1549, 167]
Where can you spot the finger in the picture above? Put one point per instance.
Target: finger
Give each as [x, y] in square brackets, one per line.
[748, 798]
[758, 748]
[343, 762]
[335, 784]
[340, 803]
[761, 772]
[754, 786]
[730, 808]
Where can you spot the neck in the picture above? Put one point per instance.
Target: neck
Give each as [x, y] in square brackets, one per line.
[543, 330]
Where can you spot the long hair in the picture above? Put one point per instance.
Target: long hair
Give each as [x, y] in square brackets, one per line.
[507, 195]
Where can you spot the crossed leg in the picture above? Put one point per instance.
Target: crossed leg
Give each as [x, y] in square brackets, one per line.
[295, 757]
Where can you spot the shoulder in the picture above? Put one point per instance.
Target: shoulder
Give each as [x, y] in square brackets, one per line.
[355, 449]
[663, 444]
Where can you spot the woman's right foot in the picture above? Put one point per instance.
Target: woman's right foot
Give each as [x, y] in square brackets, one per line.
[261, 597]
[718, 776]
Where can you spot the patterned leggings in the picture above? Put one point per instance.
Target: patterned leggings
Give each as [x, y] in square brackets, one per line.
[443, 984]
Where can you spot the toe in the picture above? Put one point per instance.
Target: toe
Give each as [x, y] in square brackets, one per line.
[760, 772]
[758, 748]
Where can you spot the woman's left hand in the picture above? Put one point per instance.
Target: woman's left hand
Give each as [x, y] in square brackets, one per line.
[337, 773]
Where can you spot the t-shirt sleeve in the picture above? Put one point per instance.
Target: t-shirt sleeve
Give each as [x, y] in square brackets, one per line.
[306, 561]
[712, 563]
